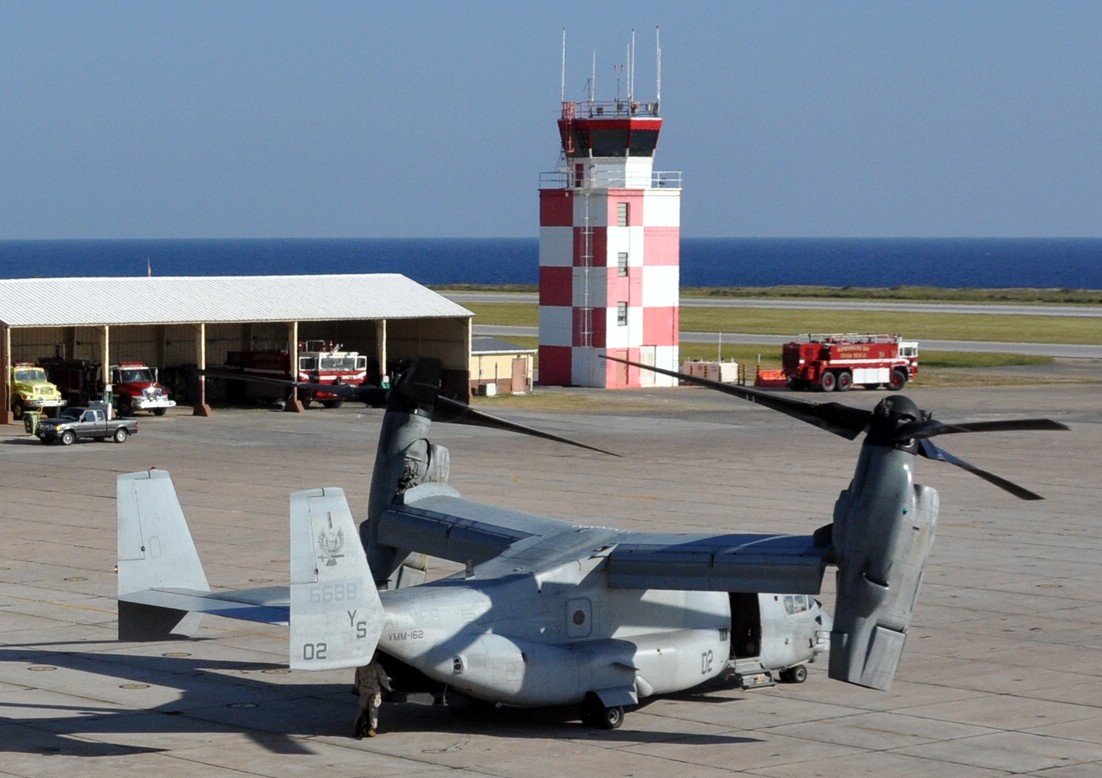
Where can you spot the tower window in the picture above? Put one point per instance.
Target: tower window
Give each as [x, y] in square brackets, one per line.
[622, 314]
[622, 263]
[622, 214]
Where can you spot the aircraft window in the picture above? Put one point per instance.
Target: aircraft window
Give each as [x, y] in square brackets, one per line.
[579, 617]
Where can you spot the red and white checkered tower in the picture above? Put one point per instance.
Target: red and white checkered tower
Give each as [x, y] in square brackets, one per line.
[610, 229]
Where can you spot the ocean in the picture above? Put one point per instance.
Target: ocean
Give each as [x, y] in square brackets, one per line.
[1054, 263]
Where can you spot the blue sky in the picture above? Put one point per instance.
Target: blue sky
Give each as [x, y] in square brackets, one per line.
[434, 119]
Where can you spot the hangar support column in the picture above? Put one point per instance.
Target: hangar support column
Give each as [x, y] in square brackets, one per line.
[200, 407]
[293, 403]
[380, 347]
[105, 354]
[5, 380]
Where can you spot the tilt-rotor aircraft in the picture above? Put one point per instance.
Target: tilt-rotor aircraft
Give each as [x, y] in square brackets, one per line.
[552, 613]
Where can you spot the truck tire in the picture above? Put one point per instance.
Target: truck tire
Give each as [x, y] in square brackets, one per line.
[17, 408]
[827, 381]
[123, 407]
[68, 437]
[120, 435]
[898, 379]
[160, 411]
[845, 380]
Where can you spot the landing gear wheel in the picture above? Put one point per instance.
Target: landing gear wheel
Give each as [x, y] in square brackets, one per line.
[898, 379]
[595, 714]
[120, 435]
[796, 674]
[827, 381]
[68, 437]
[613, 717]
[845, 381]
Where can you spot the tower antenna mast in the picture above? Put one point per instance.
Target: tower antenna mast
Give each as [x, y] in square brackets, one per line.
[631, 68]
[593, 78]
[562, 83]
[658, 67]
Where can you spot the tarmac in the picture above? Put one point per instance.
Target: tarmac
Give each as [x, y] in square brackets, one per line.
[1002, 674]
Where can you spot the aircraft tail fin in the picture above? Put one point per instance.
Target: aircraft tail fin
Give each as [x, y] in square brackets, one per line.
[336, 614]
[155, 551]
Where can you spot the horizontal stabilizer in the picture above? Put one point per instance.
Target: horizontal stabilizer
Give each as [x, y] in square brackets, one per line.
[269, 605]
[336, 615]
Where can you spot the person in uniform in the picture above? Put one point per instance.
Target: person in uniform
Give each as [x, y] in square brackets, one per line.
[370, 681]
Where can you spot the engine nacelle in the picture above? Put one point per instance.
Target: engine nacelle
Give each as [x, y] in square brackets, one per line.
[883, 531]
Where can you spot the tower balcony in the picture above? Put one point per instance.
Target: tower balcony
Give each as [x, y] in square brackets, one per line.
[598, 178]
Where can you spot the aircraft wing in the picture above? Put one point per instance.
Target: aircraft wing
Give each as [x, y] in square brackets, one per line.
[732, 563]
[434, 519]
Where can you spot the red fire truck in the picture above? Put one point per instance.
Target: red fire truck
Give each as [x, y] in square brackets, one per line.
[318, 362]
[134, 385]
[829, 362]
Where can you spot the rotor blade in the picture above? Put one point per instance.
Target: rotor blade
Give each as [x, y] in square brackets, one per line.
[932, 427]
[369, 395]
[931, 451]
[459, 413]
[833, 417]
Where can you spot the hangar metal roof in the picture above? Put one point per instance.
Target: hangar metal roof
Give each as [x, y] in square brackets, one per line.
[75, 302]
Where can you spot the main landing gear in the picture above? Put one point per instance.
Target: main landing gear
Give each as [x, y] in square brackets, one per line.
[595, 714]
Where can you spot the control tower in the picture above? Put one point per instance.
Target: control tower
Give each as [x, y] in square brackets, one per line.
[610, 229]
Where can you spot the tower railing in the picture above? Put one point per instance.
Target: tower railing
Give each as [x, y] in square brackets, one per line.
[565, 179]
[608, 109]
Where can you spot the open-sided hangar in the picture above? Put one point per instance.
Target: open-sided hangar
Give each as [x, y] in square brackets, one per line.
[184, 322]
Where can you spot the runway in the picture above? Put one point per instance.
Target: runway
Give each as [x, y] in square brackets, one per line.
[1002, 673]
[901, 306]
[1059, 350]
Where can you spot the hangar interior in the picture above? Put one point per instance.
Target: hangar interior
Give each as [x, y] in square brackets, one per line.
[387, 318]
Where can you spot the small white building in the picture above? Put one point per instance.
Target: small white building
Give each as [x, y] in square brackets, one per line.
[500, 367]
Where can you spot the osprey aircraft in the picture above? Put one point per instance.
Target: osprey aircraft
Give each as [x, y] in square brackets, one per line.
[549, 612]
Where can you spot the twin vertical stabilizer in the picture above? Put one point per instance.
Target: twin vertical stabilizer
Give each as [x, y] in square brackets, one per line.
[333, 608]
[336, 614]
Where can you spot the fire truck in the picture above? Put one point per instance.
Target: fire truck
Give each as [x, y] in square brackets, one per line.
[839, 362]
[134, 386]
[318, 362]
